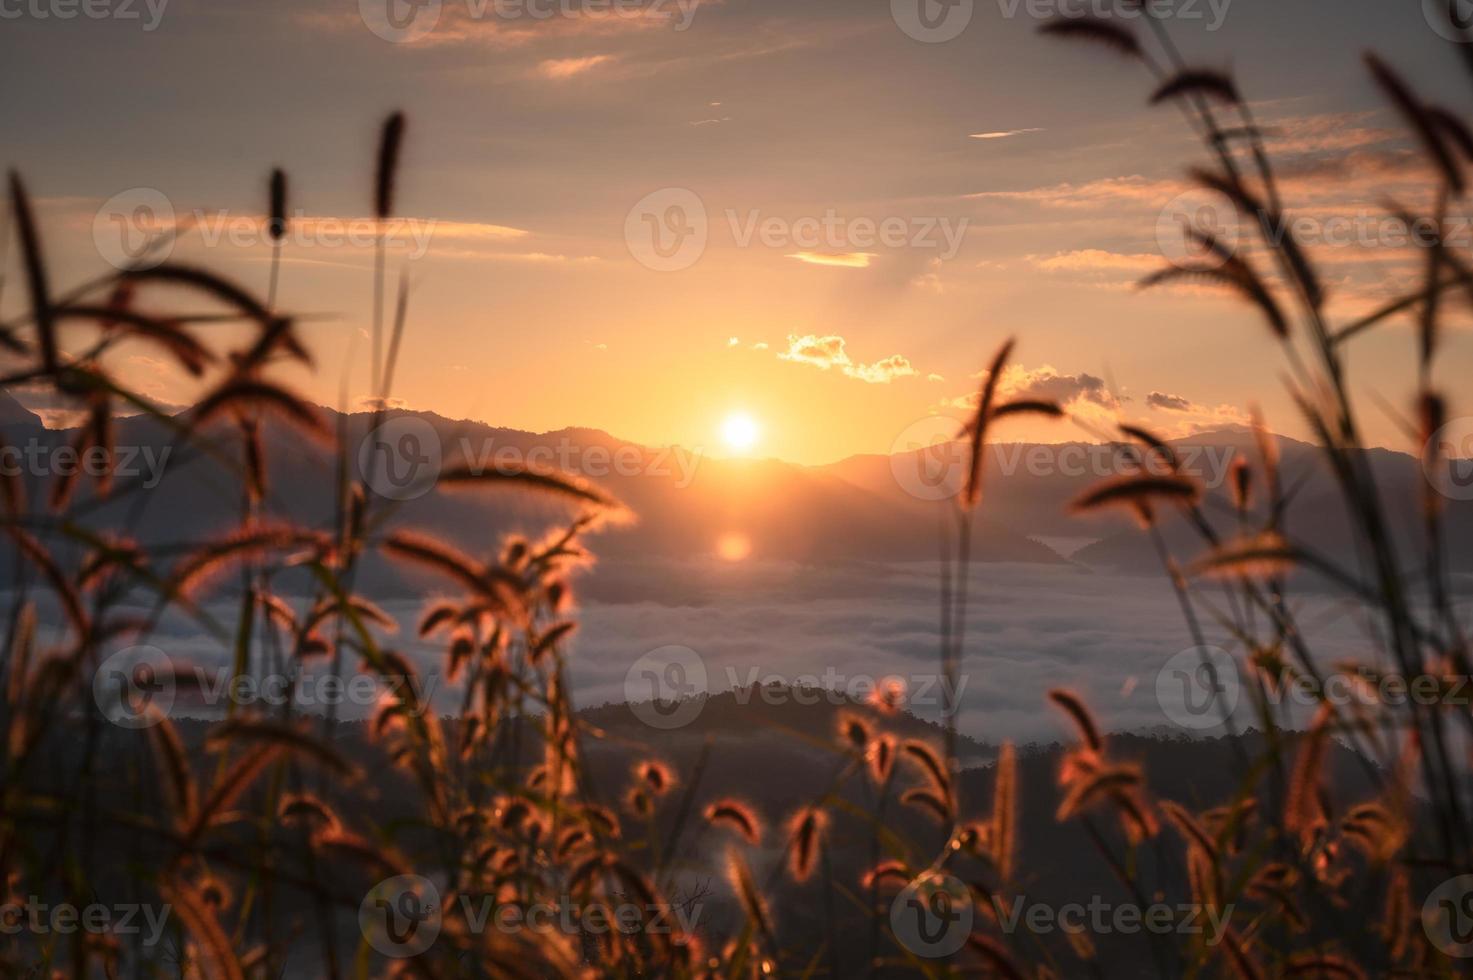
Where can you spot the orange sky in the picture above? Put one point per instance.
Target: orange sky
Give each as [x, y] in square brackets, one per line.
[846, 221]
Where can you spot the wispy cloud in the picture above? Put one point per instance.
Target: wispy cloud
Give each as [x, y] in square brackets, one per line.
[1188, 418]
[558, 68]
[1005, 133]
[1106, 192]
[1096, 260]
[845, 260]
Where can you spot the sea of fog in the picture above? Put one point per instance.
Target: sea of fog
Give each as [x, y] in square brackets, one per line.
[1118, 639]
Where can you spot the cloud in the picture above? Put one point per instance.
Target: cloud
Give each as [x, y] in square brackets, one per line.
[60, 411]
[846, 260]
[1095, 260]
[568, 67]
[1186, 417]
[373, 403]
[828, 352]
[1084, 397]
[1107, 192]
[1169, 403]
[1004, 134]
[883, 371]
[534, 257]
[1049, 383]
[881, 621]
[1199, 418]
[821, 352]
[479, 24]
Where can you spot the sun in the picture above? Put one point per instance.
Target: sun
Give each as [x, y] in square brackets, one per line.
[740, 432]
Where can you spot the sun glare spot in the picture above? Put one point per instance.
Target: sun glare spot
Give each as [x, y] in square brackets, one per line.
[733, 546]
[740, 431]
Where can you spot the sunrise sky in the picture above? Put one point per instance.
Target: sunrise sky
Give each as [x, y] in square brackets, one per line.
[1022, 181]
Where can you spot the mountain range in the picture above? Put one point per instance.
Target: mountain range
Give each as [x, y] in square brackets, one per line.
[860, 509]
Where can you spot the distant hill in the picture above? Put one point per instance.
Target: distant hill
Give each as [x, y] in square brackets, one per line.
[684, 505]
[14, 414]
[856, 510]
[1028, 488]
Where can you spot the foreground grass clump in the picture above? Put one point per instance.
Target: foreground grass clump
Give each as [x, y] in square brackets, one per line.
[284, 844]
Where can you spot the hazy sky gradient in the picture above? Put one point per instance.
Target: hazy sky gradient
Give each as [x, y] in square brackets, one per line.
[530, 142]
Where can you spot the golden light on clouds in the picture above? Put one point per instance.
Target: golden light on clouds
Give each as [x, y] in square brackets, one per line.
[568, 67]
[841, 260]
[1005, 133]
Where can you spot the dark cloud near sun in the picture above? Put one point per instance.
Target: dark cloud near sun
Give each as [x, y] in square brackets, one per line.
[1169, 403]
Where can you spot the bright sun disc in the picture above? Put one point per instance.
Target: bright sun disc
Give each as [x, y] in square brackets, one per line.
[739, 431]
